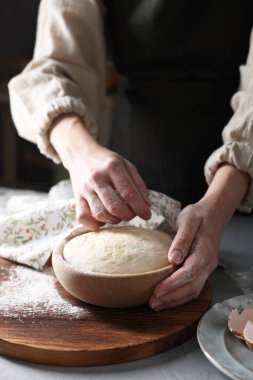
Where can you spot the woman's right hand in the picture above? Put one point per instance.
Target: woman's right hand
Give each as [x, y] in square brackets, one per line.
[107, 187]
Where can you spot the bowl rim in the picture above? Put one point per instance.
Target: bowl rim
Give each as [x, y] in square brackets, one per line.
[58, 256]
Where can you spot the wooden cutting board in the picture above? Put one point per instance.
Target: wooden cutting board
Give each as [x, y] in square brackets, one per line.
[94, 335]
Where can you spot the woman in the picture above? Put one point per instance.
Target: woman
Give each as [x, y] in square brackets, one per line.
[178, 65]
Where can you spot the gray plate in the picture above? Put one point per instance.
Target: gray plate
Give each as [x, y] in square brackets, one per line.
[226, 352]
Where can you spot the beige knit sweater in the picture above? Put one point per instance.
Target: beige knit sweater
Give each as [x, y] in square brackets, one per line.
[67, 74]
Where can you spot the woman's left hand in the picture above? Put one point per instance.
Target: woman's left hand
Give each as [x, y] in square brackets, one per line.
[196, 246]
[196, 243]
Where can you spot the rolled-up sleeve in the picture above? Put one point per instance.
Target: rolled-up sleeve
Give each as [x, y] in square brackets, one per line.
[67, 73]
[238, 133]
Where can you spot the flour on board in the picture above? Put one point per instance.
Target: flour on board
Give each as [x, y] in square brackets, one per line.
[26, 293]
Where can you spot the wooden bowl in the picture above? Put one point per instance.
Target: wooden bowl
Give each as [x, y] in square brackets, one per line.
[109, 290]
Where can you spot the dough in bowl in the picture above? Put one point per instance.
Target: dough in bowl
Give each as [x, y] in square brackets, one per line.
[119, 250]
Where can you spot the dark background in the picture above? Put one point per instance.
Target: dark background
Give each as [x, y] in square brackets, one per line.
[17, 30]
[21, 164]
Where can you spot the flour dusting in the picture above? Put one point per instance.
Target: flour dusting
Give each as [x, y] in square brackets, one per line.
[27, 293]
[244, 280]
[224, 309]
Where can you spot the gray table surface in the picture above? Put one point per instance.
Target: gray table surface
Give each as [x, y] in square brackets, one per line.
[233, 277]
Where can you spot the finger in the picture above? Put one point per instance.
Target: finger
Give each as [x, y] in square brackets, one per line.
[128, 191]
[114, 204]
[83, 215]
[196, 268]
[183, 212]
[174, 304]
[188, 226]
[179, 295]
[185, 294]
[138, 181]
[183, 276]
[98, 211]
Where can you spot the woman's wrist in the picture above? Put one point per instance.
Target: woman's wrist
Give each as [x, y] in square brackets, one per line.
[226, 191]
[71, 140]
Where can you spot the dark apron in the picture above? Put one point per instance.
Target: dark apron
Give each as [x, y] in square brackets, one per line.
[179, 66]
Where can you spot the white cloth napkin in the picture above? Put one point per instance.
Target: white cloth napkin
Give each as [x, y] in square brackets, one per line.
[32, 224]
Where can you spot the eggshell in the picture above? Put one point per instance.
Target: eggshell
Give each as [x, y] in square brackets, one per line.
[248, 334]
[237, 321]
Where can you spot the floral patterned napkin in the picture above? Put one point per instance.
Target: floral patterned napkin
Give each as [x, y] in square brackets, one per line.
[34, 225]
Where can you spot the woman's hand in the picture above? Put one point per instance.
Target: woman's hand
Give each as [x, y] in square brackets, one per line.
[107, 187]
[196, 244]
[196, 247]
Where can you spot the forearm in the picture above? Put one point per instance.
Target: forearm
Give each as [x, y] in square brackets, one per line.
[70, 139]
[107, 188]
[228, 188]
